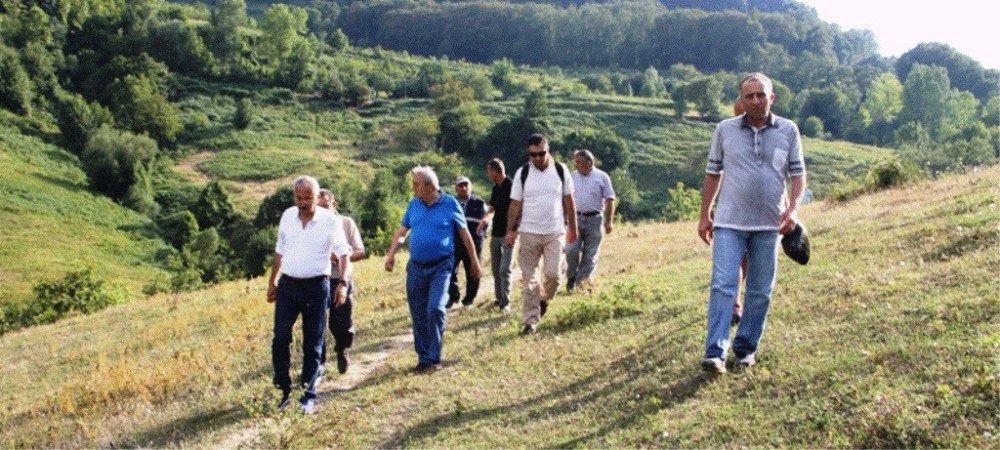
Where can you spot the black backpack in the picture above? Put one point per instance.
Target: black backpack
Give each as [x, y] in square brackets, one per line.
[559, 170]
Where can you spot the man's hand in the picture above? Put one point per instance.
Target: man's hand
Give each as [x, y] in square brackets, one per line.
[482, 227]
[390, 262]
[787, 221]
[339, 296]
[608, 227]
[511, 238]
[570, 235]
[477, 270]
[705, 230]
[272, 293]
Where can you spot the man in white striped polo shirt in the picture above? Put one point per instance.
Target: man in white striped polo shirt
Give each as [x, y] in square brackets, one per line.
[751, 157]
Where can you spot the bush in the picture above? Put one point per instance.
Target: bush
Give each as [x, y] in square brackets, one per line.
[886, 173]
[623, 300]
[140, 106]
[113, 161]
[245, 112]
[78, 120]
[78, 292]
[610, 149]
[684, 203]
[813, 127]
[15, 85]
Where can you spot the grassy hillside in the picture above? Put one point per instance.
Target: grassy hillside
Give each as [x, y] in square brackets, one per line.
[51, 223]
[887, 339]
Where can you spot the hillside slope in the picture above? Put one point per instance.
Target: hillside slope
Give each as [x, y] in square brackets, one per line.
[887, 339]
[51, 223]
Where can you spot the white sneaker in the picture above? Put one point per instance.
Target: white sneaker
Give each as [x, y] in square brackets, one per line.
[748, 360]
[713, 365]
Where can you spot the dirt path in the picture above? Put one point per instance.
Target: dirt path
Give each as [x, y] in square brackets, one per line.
[364, 365]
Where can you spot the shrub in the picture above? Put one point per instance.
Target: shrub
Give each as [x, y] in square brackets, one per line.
[813, 127]
[113, 160]
[623, 300]
[79, 292]
[15, 85]
[78, 120]
[245, 112]
[684, 203]
[886, 173]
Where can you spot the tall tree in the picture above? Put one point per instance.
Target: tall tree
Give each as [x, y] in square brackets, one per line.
[882, 105]
[924, 96]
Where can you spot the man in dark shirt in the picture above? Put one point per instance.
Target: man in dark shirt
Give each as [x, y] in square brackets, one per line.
[501, 254]
[474, 209]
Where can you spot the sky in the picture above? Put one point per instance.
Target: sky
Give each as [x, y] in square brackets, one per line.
[970, 26]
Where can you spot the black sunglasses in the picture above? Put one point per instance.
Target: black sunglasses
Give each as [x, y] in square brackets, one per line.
[537, 154]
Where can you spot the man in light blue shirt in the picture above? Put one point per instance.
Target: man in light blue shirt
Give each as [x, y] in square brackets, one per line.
[751, 157]
[595, 209]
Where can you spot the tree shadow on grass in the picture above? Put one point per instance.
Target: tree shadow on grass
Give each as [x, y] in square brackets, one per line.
[592, 390]
[182, 429]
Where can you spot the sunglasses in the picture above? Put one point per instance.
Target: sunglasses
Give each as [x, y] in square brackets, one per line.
[537, 154]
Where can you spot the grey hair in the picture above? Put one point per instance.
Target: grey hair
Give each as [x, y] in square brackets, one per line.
[427, 173]
[306, 180]
[585, 154]
[325, 191]
[758, 76]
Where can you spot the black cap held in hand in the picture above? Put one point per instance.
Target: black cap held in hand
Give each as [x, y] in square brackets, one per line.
[796, 245]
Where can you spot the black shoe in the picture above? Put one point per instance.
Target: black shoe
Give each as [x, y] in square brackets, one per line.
[450, 304]
[468, 302]
[285, 400]
[736, 319]
[427, 367]
[545, 307]
[529, 330]
[342, 361]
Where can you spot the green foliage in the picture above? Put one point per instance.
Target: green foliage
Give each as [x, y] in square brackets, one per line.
[285, 48]
[78, 120]
[887, 173]
[113, 161]
[258, 252]
[16, 87]
[214, 209]
[245, 113]
[78, 292]
[626, 194]
[924, 95]
[461, 129]
[962, 71]
[178, 228]
[624, 299]
[271, 208]
[139, 106]
[882, 105]
[683, 203]
[705, 93]
[812, 127]
[181, 47]
[381, 212]
[227, 37]
[241, 165]
[417, 135]
[830, 105]
[652, 84]
[610, 149]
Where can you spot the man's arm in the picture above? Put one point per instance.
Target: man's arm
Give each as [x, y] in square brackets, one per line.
[569, 213]
[397, 240]
[272, 287]
[708, 193]
[486, 219]
[609, 215]
[513, 219]
[470, 249]
[346, 272]
[790, 215]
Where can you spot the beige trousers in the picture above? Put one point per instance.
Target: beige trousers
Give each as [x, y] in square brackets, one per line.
[535, 248]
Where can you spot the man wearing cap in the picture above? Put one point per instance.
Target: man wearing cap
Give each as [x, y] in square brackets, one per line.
[308, 239]
[501, 254]
[595, 203]
[475, 210]
[542, 214]
[751, 158]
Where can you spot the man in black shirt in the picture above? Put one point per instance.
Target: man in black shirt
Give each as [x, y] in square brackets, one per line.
[475, 210]
[501, 255]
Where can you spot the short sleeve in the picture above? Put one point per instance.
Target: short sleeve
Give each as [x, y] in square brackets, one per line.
[516, 189]
[715, 153]
[279, 246]
[457, 216]
[796, 161]
[609, 190]
[354, 235]
[339, 240]
[407, 219]
[567, 182]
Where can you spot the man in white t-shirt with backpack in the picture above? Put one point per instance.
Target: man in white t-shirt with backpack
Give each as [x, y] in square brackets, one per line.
[543, 215]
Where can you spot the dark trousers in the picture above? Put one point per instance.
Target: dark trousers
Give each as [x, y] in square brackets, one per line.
[307, 297]
[341, 321]
[471, 284]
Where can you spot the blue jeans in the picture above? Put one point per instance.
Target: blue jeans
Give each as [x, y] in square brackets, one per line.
[427, 294]
[581, 256]
[309, 298]
[727, 255]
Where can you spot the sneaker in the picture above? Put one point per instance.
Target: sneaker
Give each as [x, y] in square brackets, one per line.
[285, 400]
[308, 405]
[505, 310]
[468, 302]
[713, 365]
[427, 367]
[545, 307]
[342, 361]
[320, 371]
[529, 329]
[748, 360]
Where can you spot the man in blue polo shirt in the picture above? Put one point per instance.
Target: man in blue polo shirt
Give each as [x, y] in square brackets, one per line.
[751, 158]
[435, 219]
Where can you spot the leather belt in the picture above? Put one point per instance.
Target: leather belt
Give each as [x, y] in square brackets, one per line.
[589, 213]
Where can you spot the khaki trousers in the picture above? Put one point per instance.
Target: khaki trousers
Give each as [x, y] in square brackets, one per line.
[535, 248]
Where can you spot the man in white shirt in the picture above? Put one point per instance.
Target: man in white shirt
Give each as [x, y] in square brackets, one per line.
[595, 198]
[543, 215]
[308, 239]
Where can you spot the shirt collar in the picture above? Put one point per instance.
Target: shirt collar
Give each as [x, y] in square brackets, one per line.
[771, 121]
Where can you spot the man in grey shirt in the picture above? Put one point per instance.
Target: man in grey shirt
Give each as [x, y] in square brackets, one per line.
[757, 152]
[595, 208]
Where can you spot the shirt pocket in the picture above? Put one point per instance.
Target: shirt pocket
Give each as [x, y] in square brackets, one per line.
[780, 160]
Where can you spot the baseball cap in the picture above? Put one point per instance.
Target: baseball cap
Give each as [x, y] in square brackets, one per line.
[796, 244]
[461, 180]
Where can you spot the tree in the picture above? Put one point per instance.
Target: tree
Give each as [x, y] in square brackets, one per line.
[417, 135]
[705, 93]
[451, 94]
[462, 128]
[113, 161]
[812, 127]
[882, 105]
[79, 120]
[284, 47]
[214, 208]
[139, 106]
[963, 72]
[683, 203]
[15, 86]
[226, 37]
[610, 149]
[924, 95]
[830, 105]
[652, 85]
[535, 105]
[245, 113]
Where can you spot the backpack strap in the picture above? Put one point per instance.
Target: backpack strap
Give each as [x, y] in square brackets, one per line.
[560, 170]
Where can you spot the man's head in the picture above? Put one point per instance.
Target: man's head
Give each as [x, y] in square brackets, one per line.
[306, 191]
[584, 161]
[425, 183]
[538, 151]
[756, 96]
[463, 187]
[496, 170]
[326, 199]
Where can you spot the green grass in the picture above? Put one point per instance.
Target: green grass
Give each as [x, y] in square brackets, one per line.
[887, 338]
[51, 224]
